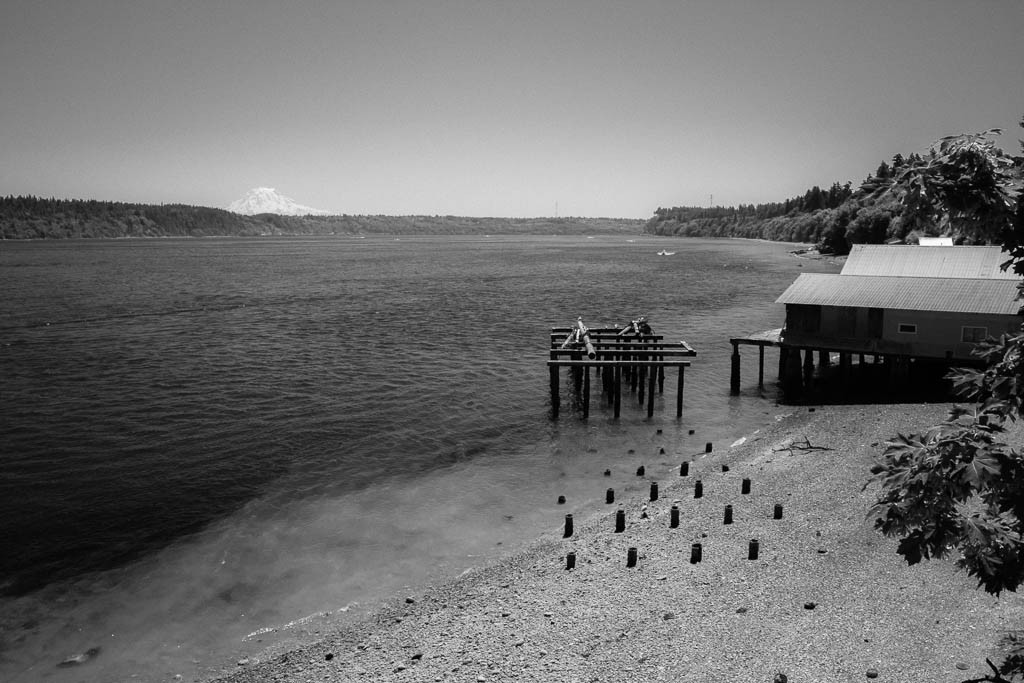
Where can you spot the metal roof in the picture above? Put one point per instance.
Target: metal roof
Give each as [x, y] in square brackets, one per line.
[954, 295]
[933, 262]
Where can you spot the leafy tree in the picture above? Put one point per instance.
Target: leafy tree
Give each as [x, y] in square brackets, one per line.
[966, 187]
[957, 486]
[871, 226]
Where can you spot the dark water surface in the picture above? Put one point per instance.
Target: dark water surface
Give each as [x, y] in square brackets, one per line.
[203, 439]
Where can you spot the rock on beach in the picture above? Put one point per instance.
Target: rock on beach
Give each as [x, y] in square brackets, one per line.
[524, 618]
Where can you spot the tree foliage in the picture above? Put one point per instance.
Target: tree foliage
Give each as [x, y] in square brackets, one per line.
[965, 187]
[958, 487]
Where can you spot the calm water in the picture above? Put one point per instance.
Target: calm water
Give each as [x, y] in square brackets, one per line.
[202, 439]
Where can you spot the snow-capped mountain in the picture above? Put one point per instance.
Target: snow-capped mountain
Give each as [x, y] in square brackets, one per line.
[268, 200]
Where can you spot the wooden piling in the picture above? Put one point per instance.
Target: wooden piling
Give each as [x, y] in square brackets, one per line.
[734, 377]
[586, 392]
[650, 393]
[643, 360]
[760, 367]
[634, 375]
[792, 384]
[554, 393]
[618, 390]
[679, 393]
[808, 368]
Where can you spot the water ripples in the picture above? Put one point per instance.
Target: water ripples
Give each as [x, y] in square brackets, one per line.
[254, 395]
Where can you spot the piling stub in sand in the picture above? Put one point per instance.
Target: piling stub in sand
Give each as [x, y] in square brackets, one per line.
[872, 611]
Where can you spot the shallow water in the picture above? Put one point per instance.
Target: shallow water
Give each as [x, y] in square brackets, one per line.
[207, 438]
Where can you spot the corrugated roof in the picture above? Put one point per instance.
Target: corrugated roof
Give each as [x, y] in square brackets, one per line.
[935, 261]
[955, 295]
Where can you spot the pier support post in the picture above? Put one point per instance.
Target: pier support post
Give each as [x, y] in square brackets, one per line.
[634, 375]
[808, 368]
[791, 383]
[554, 391]
[618, 390]
[679, 393]
[845, 361]
[586, 392]
[760, 367]
[734, 378]
[652, 380]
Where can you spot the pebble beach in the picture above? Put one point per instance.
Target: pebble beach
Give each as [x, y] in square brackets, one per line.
[826, 599]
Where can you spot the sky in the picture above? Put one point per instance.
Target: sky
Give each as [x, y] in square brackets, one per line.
[491, 108]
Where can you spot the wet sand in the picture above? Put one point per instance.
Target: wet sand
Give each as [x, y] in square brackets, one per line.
[827, 599]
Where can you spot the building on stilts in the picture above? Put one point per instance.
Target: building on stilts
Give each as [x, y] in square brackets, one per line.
[899, 307]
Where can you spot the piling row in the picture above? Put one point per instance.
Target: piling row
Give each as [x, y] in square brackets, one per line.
[697, 549]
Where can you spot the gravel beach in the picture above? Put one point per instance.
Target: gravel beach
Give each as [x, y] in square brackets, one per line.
[827, 599]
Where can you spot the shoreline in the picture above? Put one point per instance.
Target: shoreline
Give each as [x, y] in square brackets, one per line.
[828, 598]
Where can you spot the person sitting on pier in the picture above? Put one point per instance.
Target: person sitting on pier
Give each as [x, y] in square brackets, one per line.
[638, 327]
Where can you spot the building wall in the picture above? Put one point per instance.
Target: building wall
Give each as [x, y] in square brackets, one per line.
[929, 334]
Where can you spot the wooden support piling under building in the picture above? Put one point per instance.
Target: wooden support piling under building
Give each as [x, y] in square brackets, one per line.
[761, 340]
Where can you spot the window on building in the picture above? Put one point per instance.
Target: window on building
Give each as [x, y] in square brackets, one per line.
[973, 334]
[907, 328]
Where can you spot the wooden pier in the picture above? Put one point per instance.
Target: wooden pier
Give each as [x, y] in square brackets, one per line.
[618, 358]
[802, 365]
[760, 340]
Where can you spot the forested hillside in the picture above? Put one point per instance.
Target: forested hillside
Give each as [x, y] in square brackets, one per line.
[833, 219]
[794, 220]
[889, 205]
[37, 218]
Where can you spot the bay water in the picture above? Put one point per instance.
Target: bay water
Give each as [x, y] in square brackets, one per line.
[211, 445]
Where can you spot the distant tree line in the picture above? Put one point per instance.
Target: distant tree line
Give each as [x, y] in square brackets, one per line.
[836, 218]
[28, 217]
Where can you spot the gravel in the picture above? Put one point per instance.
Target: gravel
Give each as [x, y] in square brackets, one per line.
[827, 599]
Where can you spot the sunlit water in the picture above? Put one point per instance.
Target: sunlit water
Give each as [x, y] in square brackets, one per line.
[206, 440]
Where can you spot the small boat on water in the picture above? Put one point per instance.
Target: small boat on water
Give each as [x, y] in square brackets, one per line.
[666, 253]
